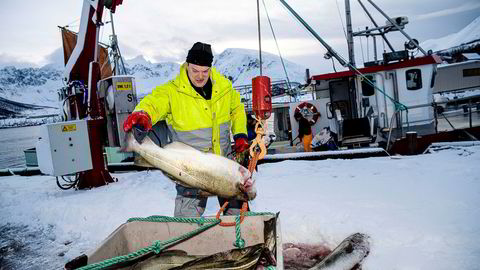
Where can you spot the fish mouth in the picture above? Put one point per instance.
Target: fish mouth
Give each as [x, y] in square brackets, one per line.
[243, 196]
[246, 184]
[247, 191]
[247, 180]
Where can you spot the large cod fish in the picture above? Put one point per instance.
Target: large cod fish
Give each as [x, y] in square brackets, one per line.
[190, 167]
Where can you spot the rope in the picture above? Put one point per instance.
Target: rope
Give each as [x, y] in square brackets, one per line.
[199, 221]
[242, 214]
[239, 242]
[341, 19]
[253, 162]
[157, 246]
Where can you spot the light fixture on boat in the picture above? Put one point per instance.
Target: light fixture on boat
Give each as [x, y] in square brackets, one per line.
[400, 21]
[411, 44]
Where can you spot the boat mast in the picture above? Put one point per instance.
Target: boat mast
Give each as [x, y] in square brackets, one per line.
[117, 56]
[348, 18]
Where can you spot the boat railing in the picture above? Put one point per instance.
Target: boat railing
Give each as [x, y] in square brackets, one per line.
[457, 113]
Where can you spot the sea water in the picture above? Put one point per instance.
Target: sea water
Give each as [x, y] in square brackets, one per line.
[13, 141]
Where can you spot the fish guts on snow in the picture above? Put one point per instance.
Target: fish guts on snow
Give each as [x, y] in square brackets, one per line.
[192, 168]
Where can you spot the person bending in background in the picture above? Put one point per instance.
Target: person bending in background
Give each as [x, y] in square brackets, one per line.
[202, 108]
[304, 131]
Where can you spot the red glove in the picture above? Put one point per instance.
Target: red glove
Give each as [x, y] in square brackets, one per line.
[241, 145]
[139, 118]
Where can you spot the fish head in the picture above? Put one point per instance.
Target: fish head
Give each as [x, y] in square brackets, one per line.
[129, 143]
[246, 185]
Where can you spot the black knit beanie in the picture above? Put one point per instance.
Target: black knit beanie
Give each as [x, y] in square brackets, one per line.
[200, 54]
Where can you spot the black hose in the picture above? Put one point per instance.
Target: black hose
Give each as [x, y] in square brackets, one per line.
[69, 183]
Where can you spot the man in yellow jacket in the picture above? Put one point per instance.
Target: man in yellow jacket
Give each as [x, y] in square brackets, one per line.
[201, 108]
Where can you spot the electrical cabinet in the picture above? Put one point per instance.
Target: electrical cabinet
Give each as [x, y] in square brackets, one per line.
[119, 93]
[64, 148]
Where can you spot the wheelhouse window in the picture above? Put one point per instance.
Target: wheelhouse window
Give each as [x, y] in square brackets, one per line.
[414, 79]
[434, 76]
[470, 72]
[367, 87]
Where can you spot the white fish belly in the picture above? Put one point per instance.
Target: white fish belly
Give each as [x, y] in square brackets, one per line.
[193, 168]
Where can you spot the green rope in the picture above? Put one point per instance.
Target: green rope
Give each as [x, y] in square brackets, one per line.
[158, 246]
[239, 242]
[398, 105]
[199, 221]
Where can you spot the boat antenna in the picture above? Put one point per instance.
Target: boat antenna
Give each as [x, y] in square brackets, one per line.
[398, 27]
[278, 48]
[259, 36]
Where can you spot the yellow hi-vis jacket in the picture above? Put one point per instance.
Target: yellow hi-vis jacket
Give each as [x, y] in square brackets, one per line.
[203, 124]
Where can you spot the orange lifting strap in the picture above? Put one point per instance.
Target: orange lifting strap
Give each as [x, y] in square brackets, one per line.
[256, 155]
[242, 214]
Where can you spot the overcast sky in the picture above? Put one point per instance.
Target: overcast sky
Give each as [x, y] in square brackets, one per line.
[163, 31]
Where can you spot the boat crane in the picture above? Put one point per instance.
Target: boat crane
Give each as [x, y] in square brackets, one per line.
[96, 103]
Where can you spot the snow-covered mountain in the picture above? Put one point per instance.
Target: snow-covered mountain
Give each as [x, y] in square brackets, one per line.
[240, 64]
[243, 65]
[468, 37]
[38, 86]
[148, 74]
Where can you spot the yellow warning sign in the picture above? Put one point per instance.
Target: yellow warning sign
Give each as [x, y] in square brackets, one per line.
[69, 128]
[124, 86]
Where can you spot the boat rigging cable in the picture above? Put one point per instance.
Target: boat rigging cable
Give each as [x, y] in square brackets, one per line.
[341, 19]
[368, 49]
[361, 47]
[278, 48]
[259, 37]
[115, 52]
[398, 106]
[376, 25]
[344, 32]
[70, 24]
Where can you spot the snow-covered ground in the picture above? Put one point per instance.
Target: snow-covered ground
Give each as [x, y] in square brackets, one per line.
[422, 212]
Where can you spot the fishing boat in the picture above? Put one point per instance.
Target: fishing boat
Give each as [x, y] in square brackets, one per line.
[387, 104]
